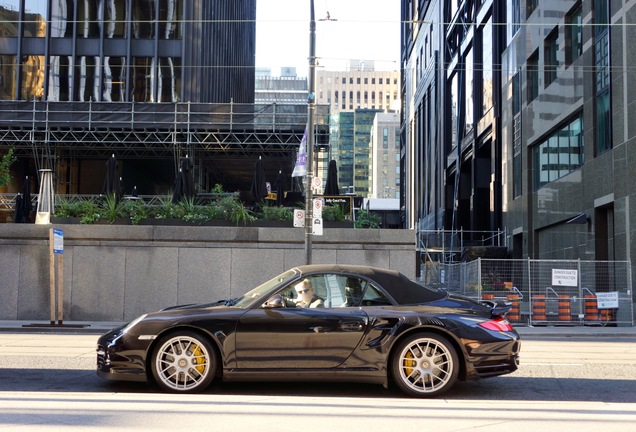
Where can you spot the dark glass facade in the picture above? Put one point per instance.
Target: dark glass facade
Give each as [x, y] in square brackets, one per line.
[146, 80]
[127, 50]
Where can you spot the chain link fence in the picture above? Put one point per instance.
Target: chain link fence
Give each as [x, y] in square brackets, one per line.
[548, 292]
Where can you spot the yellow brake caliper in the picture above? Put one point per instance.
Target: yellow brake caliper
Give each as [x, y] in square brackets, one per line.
[409, 364]
[199, 359]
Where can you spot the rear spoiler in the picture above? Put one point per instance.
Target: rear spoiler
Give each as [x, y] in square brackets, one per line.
[498, 308]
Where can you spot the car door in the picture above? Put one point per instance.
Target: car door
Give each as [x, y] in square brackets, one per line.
[301, 338]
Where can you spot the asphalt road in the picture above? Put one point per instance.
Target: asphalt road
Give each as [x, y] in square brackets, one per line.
[48, 383]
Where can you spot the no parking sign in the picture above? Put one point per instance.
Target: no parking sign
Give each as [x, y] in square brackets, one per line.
[299, 218]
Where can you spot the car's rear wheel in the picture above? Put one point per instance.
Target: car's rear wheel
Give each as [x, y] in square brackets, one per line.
[424, 365]
[183, 362]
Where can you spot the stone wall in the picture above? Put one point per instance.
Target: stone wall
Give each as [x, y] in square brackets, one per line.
[115, 273]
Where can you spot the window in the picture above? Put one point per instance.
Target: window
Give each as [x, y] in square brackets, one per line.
[516, 136]
[468, 95]
[337, 291]
[551, 48]
[454, 109]
[532, 70]
[560, 154]
[531, 5]
[358, 81]
[486, 67]
[573, 35]
[514, 17]
[602, 63]
[344, 80]
[385, 138]
[380, 80]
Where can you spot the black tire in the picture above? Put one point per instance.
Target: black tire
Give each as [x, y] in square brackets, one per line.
[183, 362]
[424, 365]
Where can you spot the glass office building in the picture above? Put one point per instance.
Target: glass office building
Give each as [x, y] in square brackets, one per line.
[127, 50]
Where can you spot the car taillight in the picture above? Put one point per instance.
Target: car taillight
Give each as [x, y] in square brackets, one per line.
[497, 324]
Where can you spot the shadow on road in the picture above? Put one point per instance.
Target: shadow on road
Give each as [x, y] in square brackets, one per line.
[502, 388]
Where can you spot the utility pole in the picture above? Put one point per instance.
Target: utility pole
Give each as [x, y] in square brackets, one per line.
[311, 108]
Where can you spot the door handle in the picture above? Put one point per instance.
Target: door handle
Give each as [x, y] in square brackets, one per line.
[351, 326]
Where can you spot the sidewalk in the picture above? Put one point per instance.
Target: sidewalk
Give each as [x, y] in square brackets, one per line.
[99, 327]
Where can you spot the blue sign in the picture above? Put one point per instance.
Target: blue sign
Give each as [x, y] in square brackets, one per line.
[58, 241]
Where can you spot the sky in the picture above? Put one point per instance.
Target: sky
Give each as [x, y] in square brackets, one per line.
[364, 30]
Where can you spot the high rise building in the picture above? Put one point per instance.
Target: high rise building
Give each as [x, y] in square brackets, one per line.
[385, 154]
[354, 97]
[288, 88]
[360, 87]
[521, 122]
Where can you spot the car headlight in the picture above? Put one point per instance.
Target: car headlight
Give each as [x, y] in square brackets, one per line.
[133, 323]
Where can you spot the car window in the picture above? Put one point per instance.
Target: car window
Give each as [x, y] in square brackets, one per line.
[334, 290]
[373, 296]
[262, 289]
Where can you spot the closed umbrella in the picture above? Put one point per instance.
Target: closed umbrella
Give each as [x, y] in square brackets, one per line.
[187, 178]
[184, 182]
[112, 182]
[259, 186]
[280, 188]
[23, 206]
[331, 187]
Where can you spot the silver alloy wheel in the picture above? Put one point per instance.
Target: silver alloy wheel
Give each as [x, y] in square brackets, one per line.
[427, 366]
[183, 363]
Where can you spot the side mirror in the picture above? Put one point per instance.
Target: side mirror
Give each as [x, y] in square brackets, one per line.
[274, 302]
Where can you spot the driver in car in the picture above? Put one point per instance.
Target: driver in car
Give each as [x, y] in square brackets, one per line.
[307, 297]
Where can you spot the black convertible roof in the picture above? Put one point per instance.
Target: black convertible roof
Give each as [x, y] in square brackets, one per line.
[403, 290]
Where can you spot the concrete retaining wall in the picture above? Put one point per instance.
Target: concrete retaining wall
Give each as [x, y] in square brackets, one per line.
[117, 272]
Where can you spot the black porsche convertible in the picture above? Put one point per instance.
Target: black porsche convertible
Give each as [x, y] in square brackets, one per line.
[318, 323]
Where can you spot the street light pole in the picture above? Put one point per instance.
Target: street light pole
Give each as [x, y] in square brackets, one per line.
[311, 108]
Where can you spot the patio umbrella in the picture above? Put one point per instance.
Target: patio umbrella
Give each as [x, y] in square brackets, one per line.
[331, 187]
[280, 188]
[112, 182]
[259, 187]
[188, 179]
[23, 206]
[183, 183]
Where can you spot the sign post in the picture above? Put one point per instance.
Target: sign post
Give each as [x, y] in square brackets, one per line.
[56, 240]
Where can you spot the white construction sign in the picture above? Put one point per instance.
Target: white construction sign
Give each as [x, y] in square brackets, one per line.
[608, 300]
[562, 277]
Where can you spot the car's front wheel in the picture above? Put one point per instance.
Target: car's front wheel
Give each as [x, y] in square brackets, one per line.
[183, 362]
[425, 365]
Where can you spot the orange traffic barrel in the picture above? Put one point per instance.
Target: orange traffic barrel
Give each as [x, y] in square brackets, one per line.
[591, 309]
[565, 308]
[514, 314]
[607, 315]
[538, 308]
[487, 296]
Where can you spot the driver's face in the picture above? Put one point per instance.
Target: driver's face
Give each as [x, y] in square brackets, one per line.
[304, 291]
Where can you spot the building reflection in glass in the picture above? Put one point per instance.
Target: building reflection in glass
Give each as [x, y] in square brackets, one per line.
[33, 66]
[8, 63]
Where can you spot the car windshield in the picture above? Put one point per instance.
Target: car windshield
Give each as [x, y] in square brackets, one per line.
[261, 290]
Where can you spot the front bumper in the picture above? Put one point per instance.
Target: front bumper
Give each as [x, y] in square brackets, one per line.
[121, 357]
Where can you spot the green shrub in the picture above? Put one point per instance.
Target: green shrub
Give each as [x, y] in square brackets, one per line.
[367, 219]
[276, 213]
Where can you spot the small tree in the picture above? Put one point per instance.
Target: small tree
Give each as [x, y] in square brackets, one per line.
[5, 163]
